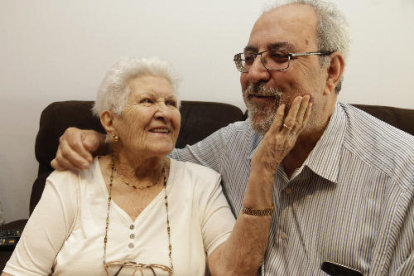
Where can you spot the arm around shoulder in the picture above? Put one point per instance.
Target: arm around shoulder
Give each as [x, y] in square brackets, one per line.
[77, 148]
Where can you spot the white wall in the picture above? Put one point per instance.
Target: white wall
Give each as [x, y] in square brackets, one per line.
[60, 50]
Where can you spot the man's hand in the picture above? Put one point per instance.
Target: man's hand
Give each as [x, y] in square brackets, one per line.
[76, 149]
[282, 136]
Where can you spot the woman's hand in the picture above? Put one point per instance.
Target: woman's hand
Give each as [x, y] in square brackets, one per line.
[76, 147]
[282, 136]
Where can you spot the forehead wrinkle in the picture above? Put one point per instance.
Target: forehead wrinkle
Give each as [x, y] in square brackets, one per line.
[154, 95]
[277, 45]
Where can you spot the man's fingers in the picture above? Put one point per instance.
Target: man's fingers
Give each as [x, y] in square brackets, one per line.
[68, 159]
[299, 119]
[92, 141]
[278, 119]
[303, 107]
[289, 124]
[55, 164]
[75, 152]
[72, 153]
[307, 115]
[290, 119]
[73, 148]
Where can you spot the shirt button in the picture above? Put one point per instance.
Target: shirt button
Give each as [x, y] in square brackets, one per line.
[288, 191]
[131, 245]
[132, 236]
[283, 236]
[131, 227]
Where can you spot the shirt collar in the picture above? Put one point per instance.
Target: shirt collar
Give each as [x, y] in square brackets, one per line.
[325, 157]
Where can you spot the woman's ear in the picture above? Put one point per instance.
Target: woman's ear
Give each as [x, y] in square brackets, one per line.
[335, 71]
[107, 121]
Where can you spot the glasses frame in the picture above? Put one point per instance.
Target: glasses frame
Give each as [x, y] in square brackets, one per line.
[237, 58]
[138, 267]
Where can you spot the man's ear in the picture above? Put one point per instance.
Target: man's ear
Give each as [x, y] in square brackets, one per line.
[107, 121]
[335, 71]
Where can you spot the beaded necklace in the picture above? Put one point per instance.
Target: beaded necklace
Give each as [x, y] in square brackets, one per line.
[166, 209]
[137, 187]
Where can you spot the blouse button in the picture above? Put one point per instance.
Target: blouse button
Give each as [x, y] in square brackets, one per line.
[132, 236]
[131, 245]
[131, 227]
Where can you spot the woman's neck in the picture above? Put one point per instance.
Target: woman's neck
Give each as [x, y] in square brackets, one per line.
[149, 169]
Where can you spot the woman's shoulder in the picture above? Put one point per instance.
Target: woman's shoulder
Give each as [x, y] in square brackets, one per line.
[193, 169]
[70, 178]
[62, 176]
[193, 180]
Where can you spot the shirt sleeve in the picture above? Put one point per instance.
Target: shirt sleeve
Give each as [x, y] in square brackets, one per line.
[403, 258]
[216, 219]
[48, 227]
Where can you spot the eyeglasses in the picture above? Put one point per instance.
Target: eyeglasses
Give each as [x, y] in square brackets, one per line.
[132, 268]
[272, 59]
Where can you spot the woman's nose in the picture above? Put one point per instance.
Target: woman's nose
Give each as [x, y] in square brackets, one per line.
[162, 111]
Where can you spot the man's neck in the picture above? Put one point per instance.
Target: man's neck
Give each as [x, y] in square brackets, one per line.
[310, 136]
[304, 145]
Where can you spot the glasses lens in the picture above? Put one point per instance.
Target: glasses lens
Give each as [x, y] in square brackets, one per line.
[276, 59]
[272, 60]
[132, 268]
[239, 61]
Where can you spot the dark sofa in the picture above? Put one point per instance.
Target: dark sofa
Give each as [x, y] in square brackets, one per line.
[199, 119]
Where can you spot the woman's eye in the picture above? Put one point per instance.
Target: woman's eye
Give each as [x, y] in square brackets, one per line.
[146, 101]
[172, 103]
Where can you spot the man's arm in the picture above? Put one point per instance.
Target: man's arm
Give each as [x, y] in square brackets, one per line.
[77, 148]
[243, 252]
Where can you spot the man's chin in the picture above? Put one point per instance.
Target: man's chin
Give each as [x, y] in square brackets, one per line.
[261, 121]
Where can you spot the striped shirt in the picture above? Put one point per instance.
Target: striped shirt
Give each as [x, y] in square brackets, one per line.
[351, 202]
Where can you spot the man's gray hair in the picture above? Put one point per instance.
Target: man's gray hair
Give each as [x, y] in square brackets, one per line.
[332, 29]
[114, 90]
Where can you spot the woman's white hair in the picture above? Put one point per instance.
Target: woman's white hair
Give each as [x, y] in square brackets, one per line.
[114, 90]
[332, 30]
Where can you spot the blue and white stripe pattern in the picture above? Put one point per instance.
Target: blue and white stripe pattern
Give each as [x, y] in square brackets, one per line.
[350, 203]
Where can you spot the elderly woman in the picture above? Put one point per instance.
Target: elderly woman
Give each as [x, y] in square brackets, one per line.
[137, 212]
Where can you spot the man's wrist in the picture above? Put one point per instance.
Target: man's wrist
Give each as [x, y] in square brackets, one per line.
[258, 212]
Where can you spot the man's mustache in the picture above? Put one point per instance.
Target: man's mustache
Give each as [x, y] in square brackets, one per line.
[260, 89]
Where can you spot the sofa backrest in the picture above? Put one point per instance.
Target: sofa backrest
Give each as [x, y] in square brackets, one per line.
[199, 119]
[398, 117]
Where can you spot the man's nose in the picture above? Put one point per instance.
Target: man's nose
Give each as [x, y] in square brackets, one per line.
[258, 72]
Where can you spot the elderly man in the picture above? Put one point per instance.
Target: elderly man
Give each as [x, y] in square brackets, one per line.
[344, 194]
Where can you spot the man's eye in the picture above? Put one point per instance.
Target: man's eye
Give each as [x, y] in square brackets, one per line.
[249, 59]
[279, 57]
